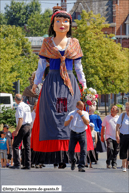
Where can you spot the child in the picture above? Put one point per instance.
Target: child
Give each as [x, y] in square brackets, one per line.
[10, 142]
[91, 157]
[4, 149]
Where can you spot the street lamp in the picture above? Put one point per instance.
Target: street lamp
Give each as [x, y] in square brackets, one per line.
[114, 38]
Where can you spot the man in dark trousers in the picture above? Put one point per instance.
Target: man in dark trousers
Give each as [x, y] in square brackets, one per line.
[22, 132]
[78, 121]
[109, 131]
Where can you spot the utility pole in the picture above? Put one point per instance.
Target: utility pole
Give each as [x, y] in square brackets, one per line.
[19, 86]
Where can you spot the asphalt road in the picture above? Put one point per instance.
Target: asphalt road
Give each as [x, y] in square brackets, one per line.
[96, 179]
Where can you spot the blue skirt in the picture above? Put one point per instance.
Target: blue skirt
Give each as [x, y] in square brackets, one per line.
[55, 103]
[50, 139]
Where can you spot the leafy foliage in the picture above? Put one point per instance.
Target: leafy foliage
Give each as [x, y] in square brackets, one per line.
[104, 62]
[8, 116]
[38, 24]
[3, 20]
[122, 107]
[18, 12]
[17, 59]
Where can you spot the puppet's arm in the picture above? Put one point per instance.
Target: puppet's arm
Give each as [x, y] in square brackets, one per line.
[80, 73]
[40, 71]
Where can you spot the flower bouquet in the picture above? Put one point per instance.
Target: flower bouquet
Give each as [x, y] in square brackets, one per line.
[89, 97]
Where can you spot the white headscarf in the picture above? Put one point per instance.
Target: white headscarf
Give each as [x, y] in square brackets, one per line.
[92, 125]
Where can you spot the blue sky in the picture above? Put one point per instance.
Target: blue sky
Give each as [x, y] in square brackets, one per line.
[44, 4]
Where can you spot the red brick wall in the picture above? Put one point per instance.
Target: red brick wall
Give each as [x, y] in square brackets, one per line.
[110, 30]
[121, 11]
[124, 42]
[36, 51]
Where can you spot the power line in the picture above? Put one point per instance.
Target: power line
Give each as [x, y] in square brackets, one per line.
[59, 1]
[80, 1]
[55, 3]
[70, 2]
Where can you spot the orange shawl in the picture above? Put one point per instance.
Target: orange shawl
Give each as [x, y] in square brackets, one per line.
[73, 51]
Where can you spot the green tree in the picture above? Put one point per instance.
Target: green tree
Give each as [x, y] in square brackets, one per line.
[8, 115]
[17, 61]
[38, 24]
[18, 12]
[104, 62]
[3, 20]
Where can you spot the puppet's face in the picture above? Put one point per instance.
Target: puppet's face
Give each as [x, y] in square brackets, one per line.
[92, 109]
[61, 25]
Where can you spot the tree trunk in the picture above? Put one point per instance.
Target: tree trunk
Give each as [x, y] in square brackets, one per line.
[114, 99]
[105, 104]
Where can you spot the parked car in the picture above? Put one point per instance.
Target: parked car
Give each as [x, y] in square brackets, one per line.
[6, 100]
[125, 99]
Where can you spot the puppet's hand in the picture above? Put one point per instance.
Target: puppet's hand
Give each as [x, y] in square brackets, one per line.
[83, 88]
[34, 88]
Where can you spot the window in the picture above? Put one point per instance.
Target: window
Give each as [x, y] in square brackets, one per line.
[5, 100]
[127, 29]
[79, 17]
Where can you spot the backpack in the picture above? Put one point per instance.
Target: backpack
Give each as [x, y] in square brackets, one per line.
[123, 115]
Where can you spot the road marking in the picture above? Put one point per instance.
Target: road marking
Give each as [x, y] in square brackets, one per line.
[103, 189]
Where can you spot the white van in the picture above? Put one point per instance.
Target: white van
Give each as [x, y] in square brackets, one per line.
[6, 99]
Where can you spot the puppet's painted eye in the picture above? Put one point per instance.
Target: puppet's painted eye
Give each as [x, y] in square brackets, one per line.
[57, 21]
[66, 21]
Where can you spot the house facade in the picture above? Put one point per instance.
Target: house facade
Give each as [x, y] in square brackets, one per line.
[116, 13]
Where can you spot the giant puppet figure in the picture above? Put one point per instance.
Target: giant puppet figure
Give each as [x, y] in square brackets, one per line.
[60, 91]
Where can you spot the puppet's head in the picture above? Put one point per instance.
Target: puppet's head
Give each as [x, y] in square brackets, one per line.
[92, 109]
[56, 17]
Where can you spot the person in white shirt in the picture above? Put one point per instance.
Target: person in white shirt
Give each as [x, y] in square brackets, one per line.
[22, 132]
[109, 129]
[122, 127]
[77, 121]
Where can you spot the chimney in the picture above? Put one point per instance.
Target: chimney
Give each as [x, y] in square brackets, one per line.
[56, 8]
[64, 4]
